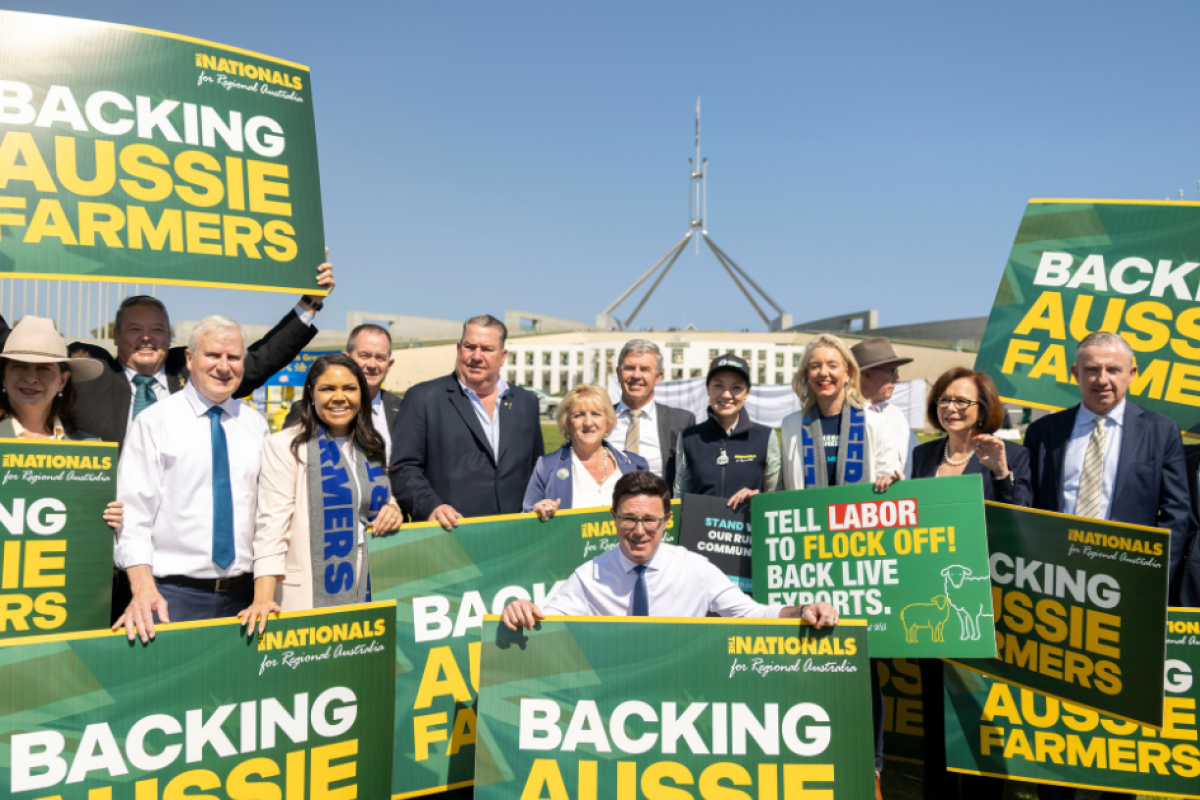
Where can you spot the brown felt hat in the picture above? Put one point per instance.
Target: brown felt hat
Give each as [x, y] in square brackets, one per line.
[34, 340]
[877, 352]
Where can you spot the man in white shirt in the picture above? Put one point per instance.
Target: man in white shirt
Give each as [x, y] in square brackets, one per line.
[878, 367]
[644, 577]
[188, 477]
[645, 427]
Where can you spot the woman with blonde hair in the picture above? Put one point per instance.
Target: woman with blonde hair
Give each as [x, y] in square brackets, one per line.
[831, 440]
[583, 472]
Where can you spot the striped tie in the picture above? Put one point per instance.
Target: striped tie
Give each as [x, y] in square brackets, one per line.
[1088, 504]
[633, 438]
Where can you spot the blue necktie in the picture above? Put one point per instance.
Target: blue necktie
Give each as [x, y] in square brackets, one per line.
[641, 601]
[144, 396]
[222, 535]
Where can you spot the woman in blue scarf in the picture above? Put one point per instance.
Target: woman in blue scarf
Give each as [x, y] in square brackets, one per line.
[323, 487]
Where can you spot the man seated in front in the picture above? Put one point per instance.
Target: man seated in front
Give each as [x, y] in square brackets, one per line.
[644, 577]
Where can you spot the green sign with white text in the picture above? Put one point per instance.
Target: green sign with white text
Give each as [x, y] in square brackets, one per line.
[995, 728]
[55, 562]
[203, 710]
[913, 561]
[1079, 266]
[134, 155]
[596, 707]
[445, 582]
[1080, 608]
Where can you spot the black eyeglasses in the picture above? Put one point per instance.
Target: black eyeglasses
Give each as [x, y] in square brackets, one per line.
[959, 403]
[628, 522]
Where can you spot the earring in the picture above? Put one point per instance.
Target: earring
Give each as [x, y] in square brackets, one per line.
[60, 394]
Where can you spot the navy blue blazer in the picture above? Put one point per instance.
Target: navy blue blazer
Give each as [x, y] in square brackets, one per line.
[545, 483]
[441, 455]
[1016, 492]
[1151, 487]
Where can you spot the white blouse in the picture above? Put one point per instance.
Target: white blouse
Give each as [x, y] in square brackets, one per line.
[586, 492]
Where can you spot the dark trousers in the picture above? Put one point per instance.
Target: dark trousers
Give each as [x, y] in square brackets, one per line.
[188, 604]
[939, 783]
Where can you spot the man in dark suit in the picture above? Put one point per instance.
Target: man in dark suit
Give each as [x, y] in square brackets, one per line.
[656, 431]
[465, 445]
[370, 346]
[1110, 459]
[147, 368]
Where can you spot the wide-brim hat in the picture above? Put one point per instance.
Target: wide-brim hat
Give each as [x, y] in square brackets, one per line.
[729, 362]
[877, 352]
[34, 340]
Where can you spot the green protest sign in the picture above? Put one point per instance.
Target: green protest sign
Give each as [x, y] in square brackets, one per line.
[445, 582]
[304, 711]
[903, 710]
[135, 155]
[56, 561]
[1080, 604]
[913, 561]
[594, 707]
[1078, 266]
[995, 728]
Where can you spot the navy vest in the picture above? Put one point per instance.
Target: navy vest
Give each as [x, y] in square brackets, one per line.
[745, 449]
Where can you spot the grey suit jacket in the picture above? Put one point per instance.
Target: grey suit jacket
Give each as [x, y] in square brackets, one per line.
[671, 422]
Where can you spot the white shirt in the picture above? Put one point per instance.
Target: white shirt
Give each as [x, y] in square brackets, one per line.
[379, 420]
[159, 387]
[897, 427]
[347, 451]
[164, 478]
[586, 492]
[491, 425]
[649, 447]
[1085, 423]
[60, 433]
[679, 583]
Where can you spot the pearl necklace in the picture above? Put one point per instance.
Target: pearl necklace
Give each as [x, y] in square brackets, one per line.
[951, 462]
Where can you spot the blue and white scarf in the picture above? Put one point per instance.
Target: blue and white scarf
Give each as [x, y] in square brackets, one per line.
[853, 453]
[335, 509]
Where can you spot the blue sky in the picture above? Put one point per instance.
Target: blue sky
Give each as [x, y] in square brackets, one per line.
[483, 156]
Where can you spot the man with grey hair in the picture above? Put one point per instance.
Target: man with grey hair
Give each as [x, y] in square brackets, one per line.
[644, 426]
[1109, 458]
[188, 477]
[465, 445]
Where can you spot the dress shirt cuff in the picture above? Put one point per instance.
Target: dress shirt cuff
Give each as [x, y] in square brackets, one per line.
[305, 316]
[133, 553]
[274, 564]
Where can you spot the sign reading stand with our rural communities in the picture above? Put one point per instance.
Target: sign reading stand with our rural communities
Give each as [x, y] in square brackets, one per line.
[134, 155]
[1077, 266]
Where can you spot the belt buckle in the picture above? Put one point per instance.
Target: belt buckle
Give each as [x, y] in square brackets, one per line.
[222, 584]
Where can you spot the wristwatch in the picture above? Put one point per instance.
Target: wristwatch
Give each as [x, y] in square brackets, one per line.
[315, 303]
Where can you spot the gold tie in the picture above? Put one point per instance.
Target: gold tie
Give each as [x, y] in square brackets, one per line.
[633, 437]
[1092, 481]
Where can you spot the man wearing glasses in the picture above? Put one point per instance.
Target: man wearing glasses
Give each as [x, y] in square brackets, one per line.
[879, 369]
[644, 577]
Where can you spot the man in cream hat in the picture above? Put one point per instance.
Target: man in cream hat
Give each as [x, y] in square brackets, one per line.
[878, 367]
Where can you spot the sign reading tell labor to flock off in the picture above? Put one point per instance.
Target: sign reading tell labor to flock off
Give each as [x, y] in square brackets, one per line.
[303, 711]
[586, 707]
[1079, 266]
[1081, 605]
[57, 549]
[994, 728]
[135, 155]
[445, 582]
[913, 561]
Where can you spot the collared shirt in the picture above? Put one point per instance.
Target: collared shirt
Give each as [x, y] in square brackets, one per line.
[679, 583]
[164, 478]
[19, 430]
[649, 447]
[1085, 423]
[379, 420]
[897, 428]
[491, 425]
[771, 470]
[159, 387]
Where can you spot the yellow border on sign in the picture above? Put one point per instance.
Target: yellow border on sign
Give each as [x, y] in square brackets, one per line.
[433, 790]
[78, 442]
[849, 623]
[168, 35]
[182, 626]
[1064, 783]
[675, 506]
[1143, 528]
[1116, 202]
[162, 282]
[1059, 698]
